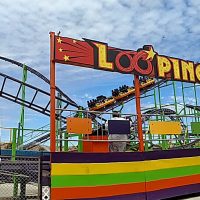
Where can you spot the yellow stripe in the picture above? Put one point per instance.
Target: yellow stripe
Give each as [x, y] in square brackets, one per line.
[121, 167]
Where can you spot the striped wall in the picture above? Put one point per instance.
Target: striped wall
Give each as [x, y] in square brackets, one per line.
[120, 176]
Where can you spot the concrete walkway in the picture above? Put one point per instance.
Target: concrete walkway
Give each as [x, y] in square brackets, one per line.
[6, 190]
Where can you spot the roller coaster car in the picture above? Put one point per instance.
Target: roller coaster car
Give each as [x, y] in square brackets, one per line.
[123, 88]
[106, 102]
[143, 79]
[147, 83]
[115, 92]
[130, 90]
[101, 98]
[91, 103]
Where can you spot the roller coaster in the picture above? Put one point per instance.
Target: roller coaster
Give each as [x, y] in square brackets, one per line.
[162, 123]
[35, 90]
[118, 95]
[65, 100]
[121, 95]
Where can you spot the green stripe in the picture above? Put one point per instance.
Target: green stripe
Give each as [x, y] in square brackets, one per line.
[96, 180]
[122, 178]
[172, 173]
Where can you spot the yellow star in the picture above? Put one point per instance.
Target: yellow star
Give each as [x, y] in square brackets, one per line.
[74, 41]
[150, 53]
[60, 49]
[59, 40]
[66, 58]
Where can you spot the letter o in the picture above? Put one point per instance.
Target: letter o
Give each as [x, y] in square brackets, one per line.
[142, 55]
[119, 66]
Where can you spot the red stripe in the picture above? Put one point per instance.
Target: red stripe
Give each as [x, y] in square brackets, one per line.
[173, 182]
[99, 191]
[133, 188]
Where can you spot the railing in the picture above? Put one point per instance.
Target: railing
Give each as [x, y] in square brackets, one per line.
[189, 136]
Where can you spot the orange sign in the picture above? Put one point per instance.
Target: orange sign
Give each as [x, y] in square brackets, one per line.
[79, 125]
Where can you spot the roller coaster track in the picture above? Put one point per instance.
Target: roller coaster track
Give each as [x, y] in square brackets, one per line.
[187, 146]
[165, 112]
[37, 92]
[127, 98]
[193, 107]
[41, 76]
[66, 101]
[171, 114]
[42, 139]
[131, 97]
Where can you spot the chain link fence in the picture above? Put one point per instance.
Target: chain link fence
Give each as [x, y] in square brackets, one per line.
[20, 178]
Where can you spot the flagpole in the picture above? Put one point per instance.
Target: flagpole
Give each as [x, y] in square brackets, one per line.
[138, 110]
[52, 95]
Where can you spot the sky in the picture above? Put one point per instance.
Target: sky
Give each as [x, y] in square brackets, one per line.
[171, 26]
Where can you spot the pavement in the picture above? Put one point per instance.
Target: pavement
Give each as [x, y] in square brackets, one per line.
[6, 190]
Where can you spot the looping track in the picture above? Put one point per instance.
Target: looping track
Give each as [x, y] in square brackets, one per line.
[37, 92]
[38, 74]
[66, 101]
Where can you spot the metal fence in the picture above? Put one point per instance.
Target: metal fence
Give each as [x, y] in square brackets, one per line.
[188, 138]
[20, 178]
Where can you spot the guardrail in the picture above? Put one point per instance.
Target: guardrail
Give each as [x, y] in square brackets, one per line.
[162, 138]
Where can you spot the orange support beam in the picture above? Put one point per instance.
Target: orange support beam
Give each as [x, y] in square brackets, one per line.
[138, 110]
[52, 95]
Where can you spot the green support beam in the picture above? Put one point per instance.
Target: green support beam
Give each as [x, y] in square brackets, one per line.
[20, 138]
[14, 149]
[59, 133]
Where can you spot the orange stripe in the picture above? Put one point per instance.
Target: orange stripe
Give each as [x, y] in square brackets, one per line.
[99, 191]
[103, 191]
[172, 182]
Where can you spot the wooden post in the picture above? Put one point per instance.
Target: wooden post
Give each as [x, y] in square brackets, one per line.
[52, 94]
[138, 110]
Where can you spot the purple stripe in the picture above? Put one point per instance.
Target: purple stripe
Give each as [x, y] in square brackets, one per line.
[62, 157]
[174, 192]
[179, 153]
[68, 157]
[138, 196]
